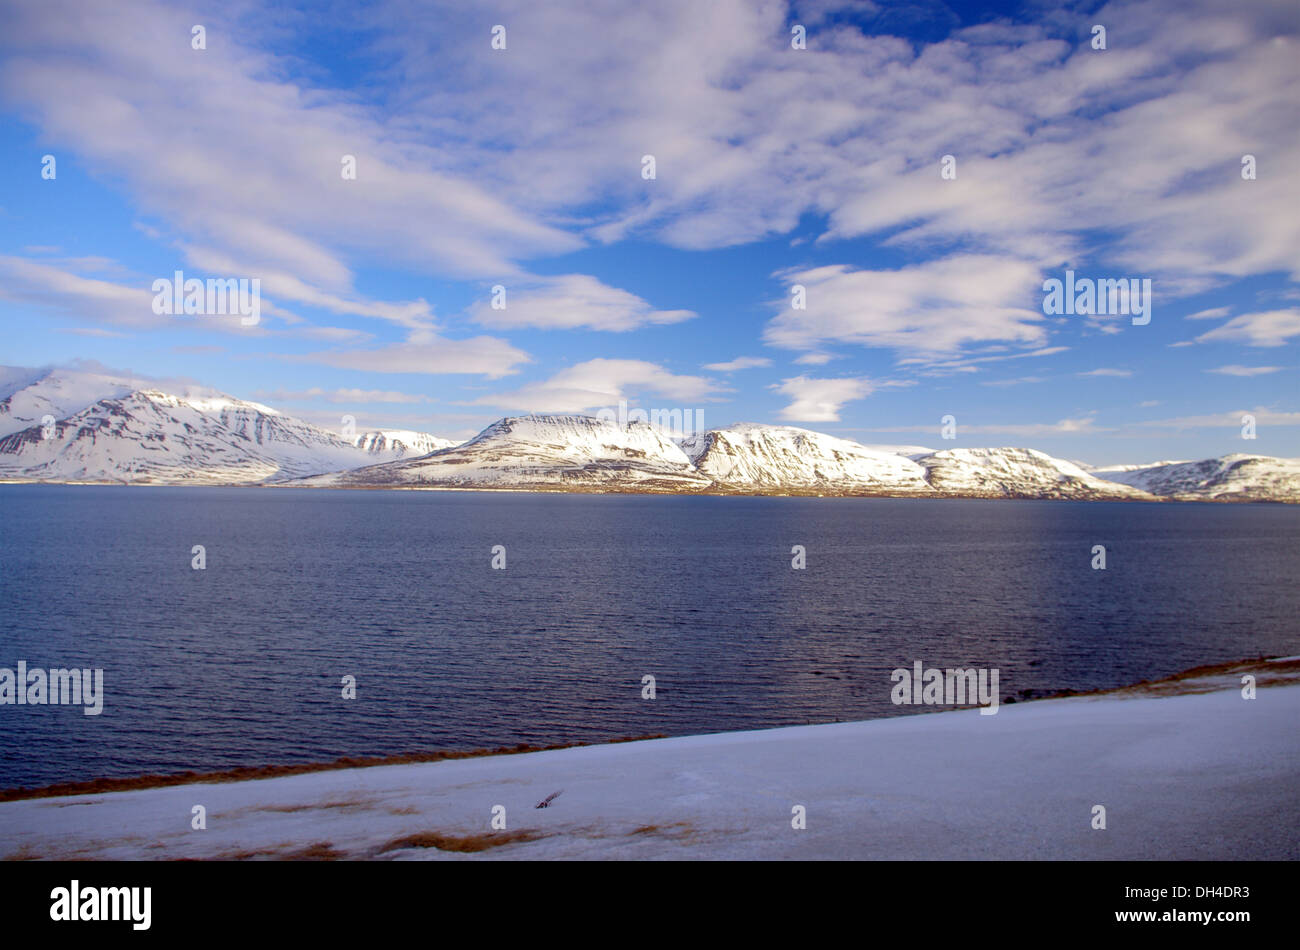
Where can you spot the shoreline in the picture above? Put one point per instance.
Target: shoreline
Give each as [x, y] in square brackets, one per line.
[1187, 768]
[1226, 499]
[1198, 679]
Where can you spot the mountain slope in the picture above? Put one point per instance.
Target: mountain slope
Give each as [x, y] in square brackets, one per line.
[1236, 477]
[29, 395]
[114, 428]
[400, 443]
[1016, 473]
[543, 451]
[148, 436]
[749, 456]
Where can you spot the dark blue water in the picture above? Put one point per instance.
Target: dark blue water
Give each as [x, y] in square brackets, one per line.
[240, 664]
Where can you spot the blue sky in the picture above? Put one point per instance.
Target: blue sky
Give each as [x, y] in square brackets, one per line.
[774, 167]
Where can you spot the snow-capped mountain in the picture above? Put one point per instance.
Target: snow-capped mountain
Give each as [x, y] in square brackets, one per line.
[146, 435]
[29, 395]
[543, 451]
[749, 456]
[83, 426]
[1016, 473]
[1236, 477]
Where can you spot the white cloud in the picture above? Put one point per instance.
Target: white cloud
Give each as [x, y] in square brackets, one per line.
[1014, 382]
[423, 352]
[929, 310]
[971, 364]
[1271, 328]
[130, 304]
[1238, 370]
[123, 305]
[229, 153]
[1081, 425]
[1078, 426]
[601, 383]
[814, 359]
[571, 301]
[820, 400]
[339, 396]
[414, 314]
[739, 363]
[853, 128]
[1232, 420]
[470, 160]
[1105, 371]
[1212, 314]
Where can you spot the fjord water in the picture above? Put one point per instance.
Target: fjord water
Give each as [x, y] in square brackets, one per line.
[241, 663]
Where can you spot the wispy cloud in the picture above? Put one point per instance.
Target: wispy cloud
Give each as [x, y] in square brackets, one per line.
[1237, 370]
[1263, 416]
[930, 310]
[601, 383]
[1270, 328]
[1014, 382]
[423, 353]
[820, 400]
[350, 396]
[739, 363]
[570, 302]
[1080, 425]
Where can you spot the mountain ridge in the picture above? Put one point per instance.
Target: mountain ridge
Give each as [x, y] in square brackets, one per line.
[130, 431]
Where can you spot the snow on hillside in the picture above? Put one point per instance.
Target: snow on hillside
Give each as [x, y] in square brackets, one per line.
[1237, 477]
[1189, 776]
[749, 455]
[543, 451]
[113, 428]
[1010, 472]
[153, 437]
[573, 452]
[28, 395]
[1110, 470]
[911, 451]
[147, 436]
[400, 443]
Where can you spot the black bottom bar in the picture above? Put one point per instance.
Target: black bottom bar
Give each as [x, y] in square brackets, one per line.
[944, 899]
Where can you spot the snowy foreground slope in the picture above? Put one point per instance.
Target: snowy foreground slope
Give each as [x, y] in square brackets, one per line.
[1182, 774]
[72, 426]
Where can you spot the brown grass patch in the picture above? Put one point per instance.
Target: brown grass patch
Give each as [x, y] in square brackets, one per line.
[313, 806]
[317, 851]
[465, 844]
[678, 829]
[25, 853]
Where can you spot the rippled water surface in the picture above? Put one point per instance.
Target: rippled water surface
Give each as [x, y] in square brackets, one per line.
[240, 664]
